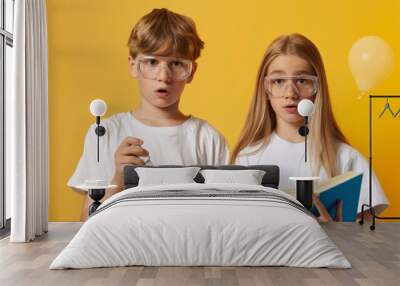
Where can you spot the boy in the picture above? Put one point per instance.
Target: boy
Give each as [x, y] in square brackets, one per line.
[163, 48]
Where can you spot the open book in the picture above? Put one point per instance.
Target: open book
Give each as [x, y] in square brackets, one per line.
[345, 187]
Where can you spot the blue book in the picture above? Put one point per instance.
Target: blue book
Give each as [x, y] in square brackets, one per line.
[345, 187]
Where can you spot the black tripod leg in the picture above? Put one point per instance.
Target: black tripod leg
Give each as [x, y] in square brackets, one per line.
[372, 210]
[361, 222]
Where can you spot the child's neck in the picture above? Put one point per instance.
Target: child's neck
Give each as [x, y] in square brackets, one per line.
[161, 117]
[289, 131]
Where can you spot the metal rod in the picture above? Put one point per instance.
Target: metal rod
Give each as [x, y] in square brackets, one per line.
[370, 151]
[384, 96]
[306, 148]
[306, 132]
[98, 130]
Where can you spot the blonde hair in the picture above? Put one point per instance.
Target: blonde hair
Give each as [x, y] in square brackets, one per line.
[325, 133]
[165, 33]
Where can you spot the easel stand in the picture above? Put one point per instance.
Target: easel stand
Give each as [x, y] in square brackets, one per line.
[370, 206]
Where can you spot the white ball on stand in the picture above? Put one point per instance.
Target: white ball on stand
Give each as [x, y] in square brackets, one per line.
[98, 107]
[305, 107]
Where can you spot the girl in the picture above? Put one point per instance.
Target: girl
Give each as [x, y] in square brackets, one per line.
[292, 70]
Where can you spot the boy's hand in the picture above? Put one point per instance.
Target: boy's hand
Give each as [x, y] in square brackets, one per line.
[127, 153]
[324, 214]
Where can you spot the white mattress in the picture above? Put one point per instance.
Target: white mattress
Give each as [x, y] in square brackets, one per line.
[190, 230]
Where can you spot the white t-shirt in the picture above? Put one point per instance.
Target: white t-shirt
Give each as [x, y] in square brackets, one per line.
[194, 142]
[290, 157]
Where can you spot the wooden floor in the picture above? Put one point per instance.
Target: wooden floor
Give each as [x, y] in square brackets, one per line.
[375, 257]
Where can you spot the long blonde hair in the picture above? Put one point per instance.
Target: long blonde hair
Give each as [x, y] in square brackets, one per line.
[325, 133]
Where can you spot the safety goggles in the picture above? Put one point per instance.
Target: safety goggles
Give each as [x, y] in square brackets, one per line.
[304, 86]
[177, 69]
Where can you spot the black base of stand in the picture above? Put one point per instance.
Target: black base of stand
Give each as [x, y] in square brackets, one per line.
[374, 216]
[96, 195]
[372, 212]
[304, 192]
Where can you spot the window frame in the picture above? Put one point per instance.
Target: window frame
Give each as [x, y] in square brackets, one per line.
[6, 39]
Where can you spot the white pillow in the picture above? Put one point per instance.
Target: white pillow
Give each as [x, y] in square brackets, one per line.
[162, 176]
[248, 177]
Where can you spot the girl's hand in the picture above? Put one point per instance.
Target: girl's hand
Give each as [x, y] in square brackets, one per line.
[324, 214]
[128, 153]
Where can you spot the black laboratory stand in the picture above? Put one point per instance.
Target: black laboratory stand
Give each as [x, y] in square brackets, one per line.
[371, 208]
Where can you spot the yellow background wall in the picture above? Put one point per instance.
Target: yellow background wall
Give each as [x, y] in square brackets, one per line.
[88, 60]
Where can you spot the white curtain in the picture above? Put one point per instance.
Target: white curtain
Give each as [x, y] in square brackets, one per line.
[27, 124]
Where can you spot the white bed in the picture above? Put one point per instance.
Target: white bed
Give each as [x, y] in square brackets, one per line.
[201, 224]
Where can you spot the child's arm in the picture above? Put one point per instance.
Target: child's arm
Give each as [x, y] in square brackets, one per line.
[128, 153]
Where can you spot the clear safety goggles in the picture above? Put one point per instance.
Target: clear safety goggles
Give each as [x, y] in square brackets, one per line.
[177, 69]
[304, 86]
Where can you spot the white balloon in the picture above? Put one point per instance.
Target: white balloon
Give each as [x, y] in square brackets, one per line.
[305, 107]
[98, 107]
[371, 60]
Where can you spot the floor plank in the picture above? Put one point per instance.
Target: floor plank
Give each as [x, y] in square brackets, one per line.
[374, 255]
